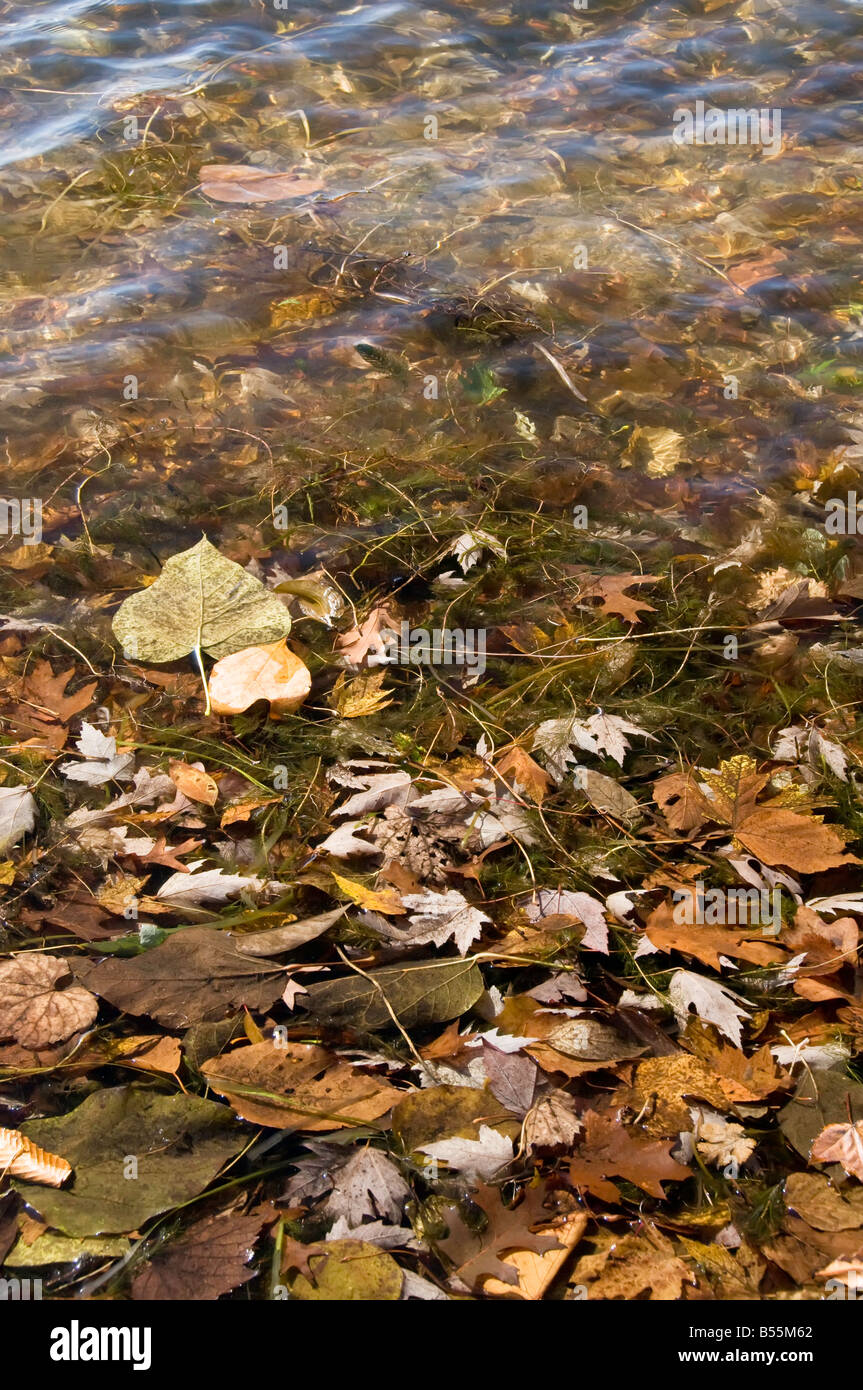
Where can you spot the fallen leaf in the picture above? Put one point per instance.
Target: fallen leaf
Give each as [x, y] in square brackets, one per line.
[269, 672]
[479, 1158]
[369, 1185]
[712, 1001]
[193, 1138]
[799, 842]
[821, 1205]
[525, 775]
[609, 1150]
[244, 183]
[361, 696]
[297, 1087]
[419, 993]
[21, 1158]
[102, 761]
[195, 976]
[17, 815]
[842, 1143]
[610, 589]
[201, 602]
[208, 1260]
[344, 1270]
[35, 1008]
[194, 782]
[440, 917]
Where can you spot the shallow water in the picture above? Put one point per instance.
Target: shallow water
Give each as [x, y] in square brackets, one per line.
[494, 180]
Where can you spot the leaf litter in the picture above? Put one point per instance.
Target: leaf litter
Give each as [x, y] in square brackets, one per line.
[454, 966]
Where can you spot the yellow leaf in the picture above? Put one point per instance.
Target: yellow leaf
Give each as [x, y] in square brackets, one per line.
[363, 695]
[388, 901]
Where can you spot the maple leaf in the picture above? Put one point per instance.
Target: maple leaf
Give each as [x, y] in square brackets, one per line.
[527, 776]
[610, 589]
[799, 842]
[712, 1001]
[368, 1185]
[365, 643]
[841, 1144]
[102, 761]
[678, 797]
[439, 917]
[800, 744]
[479, 1254]
[17, 815]
[476, 1158]
[609, 1150]
[721, 1142]
[601, 733]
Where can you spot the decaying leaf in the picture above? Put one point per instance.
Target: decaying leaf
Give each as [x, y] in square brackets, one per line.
[195, 1138]
[422, 992]
[38, 1003]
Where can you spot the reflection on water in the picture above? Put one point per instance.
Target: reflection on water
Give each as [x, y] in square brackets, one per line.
[546, 287]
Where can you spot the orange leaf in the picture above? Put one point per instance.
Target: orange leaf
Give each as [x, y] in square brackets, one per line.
[269, 672]
[798, 842]
[194, 783]
[23, 1159]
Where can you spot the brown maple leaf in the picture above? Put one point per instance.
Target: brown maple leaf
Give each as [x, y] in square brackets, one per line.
[609, 1149]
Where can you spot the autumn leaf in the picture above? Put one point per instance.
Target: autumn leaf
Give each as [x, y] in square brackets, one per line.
[843, 1144]
[799, 842]
[37, 1004]
[298, 1086]
[386, 900]
[362, 696]
[608, 1149]
[21, 1158]
[201, 601]
[194, 782]
[270, 672]
[524, 775]
[244, 183]
[610, 589]
[208, 1260]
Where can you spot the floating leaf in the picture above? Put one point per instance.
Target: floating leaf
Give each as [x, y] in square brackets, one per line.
[269, 672]
[200, 602]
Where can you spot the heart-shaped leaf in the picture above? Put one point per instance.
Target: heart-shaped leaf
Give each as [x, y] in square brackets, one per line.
[200, 602]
